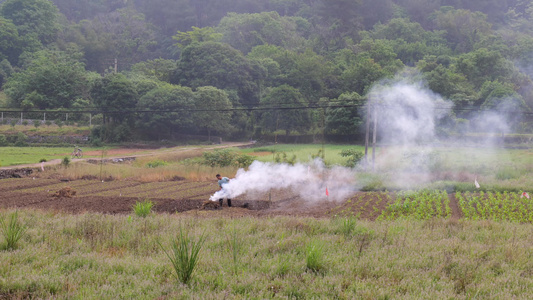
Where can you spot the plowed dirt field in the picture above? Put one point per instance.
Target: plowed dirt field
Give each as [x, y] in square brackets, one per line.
[118, 197]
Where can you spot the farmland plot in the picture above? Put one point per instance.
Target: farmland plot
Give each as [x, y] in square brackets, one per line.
[179, 196]
[496, 206]
[420, 205]
[365, 205]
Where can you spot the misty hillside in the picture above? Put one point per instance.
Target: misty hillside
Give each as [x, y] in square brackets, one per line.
[243, 68]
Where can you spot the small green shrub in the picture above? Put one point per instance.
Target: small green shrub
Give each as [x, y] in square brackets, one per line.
[314, 256]
[37, 124]
[226, 157]
[48, 123]
[12, 231]
[3, 140]
[184, 256]
[42, 160]
[21, 140]
[65, 162]
[319, 154]
[354, 156]
[244, 160]
[281, 157]
[218, 158]
[25, 122]
[13, 123]
[143, 209]
[96, 142]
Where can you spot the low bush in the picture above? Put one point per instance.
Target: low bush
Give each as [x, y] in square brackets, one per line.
[3, 140]
[65, 162]
[21, 140]
[281, 157]
[354, 157]
[225, 158]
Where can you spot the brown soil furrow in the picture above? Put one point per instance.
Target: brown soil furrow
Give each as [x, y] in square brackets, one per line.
[27, 184]
[454, 205]
[98, 188]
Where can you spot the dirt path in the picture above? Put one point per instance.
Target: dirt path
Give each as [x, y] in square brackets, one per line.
[125, 154]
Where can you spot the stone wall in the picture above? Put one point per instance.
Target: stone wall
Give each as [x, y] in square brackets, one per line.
[15, 173]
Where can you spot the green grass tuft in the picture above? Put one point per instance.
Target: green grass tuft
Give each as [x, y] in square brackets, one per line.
[143, 209]
[185, 255]
[314, 259]
[12, 231]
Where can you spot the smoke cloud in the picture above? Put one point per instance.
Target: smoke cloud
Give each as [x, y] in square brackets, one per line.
[407, 112]
[408, 115]
[309, 181]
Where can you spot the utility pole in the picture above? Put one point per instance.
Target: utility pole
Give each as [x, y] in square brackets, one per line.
[374, 138]
[116, 65]
[367, 135]
[323, 134]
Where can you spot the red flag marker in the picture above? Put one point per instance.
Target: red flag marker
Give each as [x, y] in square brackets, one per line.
[327, 193]
[524, 194]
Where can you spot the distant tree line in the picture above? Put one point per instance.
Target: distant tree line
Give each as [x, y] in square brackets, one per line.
[235, 67]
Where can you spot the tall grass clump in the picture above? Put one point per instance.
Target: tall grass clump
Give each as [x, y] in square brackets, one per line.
[143, 209]
[314, 256]
[235, 245]
[348, 226]
[184, 255]
[12, 231]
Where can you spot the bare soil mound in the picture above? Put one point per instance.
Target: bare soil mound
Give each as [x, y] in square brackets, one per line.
[210, 205]
[67, 192]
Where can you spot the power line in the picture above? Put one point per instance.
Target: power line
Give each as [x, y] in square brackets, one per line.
[109, 110]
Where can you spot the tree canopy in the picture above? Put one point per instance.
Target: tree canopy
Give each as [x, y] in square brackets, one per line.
[247, 55]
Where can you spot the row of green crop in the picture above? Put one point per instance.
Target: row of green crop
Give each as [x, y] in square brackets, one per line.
[420, 205]
[496, 206]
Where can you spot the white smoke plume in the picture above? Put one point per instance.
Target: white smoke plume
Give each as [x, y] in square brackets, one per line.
[407, 116]
[407, 112]
[309, 181]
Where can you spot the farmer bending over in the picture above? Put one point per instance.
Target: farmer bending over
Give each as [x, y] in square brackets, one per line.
[222, 181]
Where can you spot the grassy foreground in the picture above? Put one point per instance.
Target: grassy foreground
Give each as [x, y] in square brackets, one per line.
[93, 256]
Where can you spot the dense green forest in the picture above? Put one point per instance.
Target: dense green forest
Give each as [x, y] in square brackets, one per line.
[236, 68]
